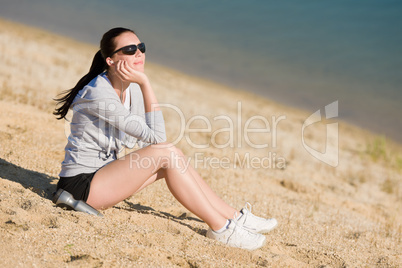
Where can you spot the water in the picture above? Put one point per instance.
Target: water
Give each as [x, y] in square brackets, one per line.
[305, 54]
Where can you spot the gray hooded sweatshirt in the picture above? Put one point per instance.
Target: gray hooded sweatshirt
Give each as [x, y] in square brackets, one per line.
[98, 119]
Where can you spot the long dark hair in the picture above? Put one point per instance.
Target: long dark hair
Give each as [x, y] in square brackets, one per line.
[107, 46]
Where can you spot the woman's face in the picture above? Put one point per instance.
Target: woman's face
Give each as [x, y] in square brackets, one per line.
[137, 60]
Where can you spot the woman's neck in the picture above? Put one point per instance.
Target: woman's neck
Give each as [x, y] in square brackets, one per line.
[118, 85]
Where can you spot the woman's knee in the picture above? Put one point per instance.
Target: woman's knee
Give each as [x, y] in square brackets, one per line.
[169, 155]
[168, 149]
[162, 155]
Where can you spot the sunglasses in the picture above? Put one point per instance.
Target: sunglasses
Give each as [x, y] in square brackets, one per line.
[131, 49]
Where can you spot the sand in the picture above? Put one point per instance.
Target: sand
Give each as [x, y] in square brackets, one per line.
[343, 216]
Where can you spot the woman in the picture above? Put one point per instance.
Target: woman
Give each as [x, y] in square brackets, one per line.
[114, 106]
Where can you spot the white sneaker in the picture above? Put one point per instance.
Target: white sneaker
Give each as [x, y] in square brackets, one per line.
[237, 236]
[255, 224]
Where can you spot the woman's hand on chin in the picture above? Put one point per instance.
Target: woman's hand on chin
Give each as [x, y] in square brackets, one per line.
[128, 74]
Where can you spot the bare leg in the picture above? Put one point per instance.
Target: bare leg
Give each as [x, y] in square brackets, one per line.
[224, 209]
[121, 178]
[221, 206]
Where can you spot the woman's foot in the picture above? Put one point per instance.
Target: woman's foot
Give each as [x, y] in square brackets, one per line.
[253, 223]
[236, 236]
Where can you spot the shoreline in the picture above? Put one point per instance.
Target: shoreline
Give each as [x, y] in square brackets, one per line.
[347, 215]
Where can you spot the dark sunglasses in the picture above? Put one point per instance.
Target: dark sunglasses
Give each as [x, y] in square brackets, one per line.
[131, 49]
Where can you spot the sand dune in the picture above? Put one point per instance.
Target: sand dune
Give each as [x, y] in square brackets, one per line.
[348, 215]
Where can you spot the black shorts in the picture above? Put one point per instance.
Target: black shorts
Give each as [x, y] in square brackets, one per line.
[77, 185]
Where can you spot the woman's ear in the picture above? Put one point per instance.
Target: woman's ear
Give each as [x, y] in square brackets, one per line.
[109, 61]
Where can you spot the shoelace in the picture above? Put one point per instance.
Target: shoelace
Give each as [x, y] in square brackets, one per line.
[248, 206]
[238, 229]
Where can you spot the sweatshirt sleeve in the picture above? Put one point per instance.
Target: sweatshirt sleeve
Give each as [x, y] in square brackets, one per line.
[151, 130]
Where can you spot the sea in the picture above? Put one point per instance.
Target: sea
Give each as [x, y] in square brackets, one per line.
[306, 54]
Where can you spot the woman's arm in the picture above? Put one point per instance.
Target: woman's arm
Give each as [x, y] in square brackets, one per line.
[111, 110]
[128, 74]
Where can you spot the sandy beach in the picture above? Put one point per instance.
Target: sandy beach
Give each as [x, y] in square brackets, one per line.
[347, 215]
